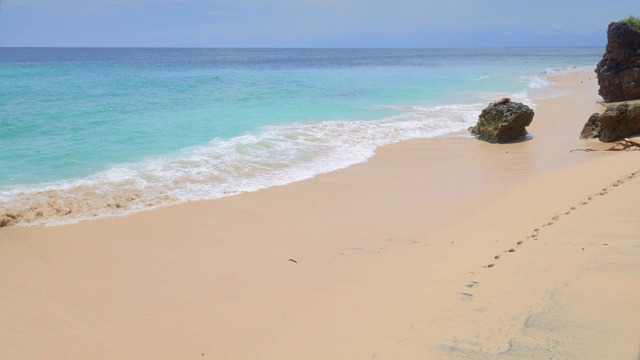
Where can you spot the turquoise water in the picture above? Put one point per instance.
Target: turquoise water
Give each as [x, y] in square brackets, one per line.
[92, 132]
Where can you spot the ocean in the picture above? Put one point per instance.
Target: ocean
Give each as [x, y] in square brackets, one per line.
[93, 132]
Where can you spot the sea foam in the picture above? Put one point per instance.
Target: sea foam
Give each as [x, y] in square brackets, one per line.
[271, 156]
[127, 130]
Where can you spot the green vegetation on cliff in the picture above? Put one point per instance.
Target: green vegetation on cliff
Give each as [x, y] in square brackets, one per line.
[633, 21]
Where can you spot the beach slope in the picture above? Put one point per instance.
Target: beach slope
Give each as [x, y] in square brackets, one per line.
[433, 249]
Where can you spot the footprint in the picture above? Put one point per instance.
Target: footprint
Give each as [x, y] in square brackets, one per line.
[466, 297]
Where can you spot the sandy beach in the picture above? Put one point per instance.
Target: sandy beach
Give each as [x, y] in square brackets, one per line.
[433, 249]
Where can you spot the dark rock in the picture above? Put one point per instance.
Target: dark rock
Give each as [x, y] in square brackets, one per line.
[591, 129]
[619, 70]
[502, 121]
[617, 122]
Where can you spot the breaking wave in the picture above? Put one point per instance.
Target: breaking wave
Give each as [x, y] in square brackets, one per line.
[274, 155]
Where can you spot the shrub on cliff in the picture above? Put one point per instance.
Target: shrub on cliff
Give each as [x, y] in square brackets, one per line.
[633, 21]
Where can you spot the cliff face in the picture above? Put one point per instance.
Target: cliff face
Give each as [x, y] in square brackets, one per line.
[619, 70]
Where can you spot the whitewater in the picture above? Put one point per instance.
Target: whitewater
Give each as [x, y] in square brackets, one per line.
[89, 133]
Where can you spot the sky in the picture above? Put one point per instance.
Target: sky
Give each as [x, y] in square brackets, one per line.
[310, 23]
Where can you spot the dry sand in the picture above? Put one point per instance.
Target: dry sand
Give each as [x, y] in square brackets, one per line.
[406, 256]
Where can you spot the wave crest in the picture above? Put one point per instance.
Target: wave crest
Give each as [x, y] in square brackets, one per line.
[276, 155]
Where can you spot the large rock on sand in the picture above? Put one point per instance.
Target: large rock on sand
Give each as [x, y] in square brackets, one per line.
[619, 70]
[617, 122]
[502, 121]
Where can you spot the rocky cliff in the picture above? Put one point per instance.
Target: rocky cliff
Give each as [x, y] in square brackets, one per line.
[619, 70]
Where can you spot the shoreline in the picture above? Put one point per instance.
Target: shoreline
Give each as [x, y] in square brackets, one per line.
[384, 259]
[71, 201]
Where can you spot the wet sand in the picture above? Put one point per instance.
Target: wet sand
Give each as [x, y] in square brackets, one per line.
[436, 249]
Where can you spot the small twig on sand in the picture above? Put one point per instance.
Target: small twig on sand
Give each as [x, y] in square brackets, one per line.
[602, 103]
[585, 150]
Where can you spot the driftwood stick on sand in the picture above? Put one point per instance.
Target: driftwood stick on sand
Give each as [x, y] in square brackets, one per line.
[625, 145]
